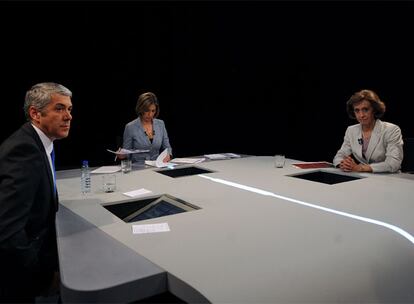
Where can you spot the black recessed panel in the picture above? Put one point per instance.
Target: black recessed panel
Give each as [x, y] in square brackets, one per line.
[326, 177]
[125, 209]
[179, 172]
[162, 208]
[148, 208]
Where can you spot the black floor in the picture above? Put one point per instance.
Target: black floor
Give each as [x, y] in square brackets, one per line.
[165, 297]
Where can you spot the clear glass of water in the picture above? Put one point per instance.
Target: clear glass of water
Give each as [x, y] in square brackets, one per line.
[279, 160]
[126, 165]
[109, 182]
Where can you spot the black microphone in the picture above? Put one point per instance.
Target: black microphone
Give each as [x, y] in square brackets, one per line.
[360, 141]
[145, 132]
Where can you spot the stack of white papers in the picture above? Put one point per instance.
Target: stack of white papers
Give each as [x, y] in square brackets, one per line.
[126, 151]
[107, 169]
[153, 163]
[232, 155]
[150, 228]
[222, 156]
[159, 161]
[138, 192]
[187, 160]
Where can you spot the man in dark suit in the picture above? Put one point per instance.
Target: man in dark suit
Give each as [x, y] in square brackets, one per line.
[28, 196]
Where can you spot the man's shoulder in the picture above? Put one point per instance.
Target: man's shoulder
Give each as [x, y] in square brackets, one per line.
[22, 134]
[22, 141]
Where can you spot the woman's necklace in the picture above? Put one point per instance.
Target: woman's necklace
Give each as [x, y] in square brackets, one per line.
[366, 135]
[149, 131]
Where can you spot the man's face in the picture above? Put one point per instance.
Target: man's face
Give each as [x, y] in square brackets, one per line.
[55, 119]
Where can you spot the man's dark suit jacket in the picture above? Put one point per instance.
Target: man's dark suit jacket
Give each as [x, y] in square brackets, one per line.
[28, 205]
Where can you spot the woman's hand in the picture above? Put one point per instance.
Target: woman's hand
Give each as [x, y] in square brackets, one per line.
[348, 164]
[167, 158]
[120, 156]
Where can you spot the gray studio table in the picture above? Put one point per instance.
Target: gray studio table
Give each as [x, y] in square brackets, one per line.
[261, 236]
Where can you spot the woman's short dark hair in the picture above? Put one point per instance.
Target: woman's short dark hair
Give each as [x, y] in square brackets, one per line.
[371, 97]
[144, 101]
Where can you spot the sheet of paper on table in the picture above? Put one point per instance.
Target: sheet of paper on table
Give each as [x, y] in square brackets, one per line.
[221, 156]
[107, 169]
[187, 160]
[126, 151]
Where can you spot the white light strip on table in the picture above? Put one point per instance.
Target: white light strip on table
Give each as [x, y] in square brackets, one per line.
[350, 215]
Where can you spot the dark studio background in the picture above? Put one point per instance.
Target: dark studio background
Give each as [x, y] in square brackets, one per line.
[245, 77]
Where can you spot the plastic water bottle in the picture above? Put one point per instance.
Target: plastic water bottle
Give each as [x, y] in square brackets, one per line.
[85, 178]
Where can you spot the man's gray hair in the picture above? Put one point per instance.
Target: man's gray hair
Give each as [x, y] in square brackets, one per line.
[40, 95]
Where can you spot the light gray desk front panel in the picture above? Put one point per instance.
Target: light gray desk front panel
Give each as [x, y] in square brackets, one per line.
[244, 247]
[96, 268]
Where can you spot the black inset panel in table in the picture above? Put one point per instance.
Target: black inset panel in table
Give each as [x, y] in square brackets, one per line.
[179, 172]
[162, 208]
[326, 177]
[148, 208]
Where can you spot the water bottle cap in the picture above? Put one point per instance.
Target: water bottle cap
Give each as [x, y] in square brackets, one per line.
[84, 162]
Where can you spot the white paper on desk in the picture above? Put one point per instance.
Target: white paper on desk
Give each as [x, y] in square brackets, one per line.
[187, 160]
[138, 192]
[159, 161]
[215, 156]
[150, 228]
[222, 156]
[126, 151]
[150, 163]
[107, 169]
[232, 155]
[153, 163]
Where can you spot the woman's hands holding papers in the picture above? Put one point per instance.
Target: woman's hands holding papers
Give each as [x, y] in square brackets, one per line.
[120, 155]
[167, 158]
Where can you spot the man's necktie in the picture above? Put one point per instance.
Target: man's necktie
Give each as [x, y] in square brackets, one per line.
[52, 156]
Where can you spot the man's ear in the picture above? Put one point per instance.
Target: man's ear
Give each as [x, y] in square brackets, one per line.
[34, 113]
